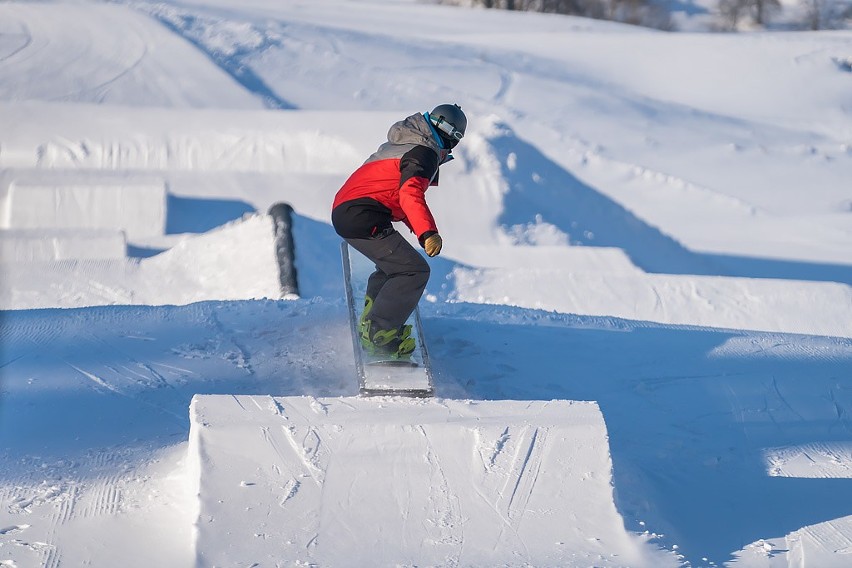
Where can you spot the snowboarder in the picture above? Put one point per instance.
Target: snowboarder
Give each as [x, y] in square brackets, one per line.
[391, 186]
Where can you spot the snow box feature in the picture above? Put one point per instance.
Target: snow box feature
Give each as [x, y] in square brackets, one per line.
[395, 481]
[136, 207]
[32, 245]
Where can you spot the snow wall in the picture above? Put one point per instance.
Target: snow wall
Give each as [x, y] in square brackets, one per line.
[34, 245]
[137, 207]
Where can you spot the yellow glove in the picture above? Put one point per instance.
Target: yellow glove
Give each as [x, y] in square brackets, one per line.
[432, 244]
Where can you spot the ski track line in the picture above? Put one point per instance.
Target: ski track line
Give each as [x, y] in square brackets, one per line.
[257, 405]
[842, 419]
[274, 407]
[28, 39]
[96, 379]
[181, 380]
[156, 383]
[318, 407]
[103, 497]
[153, 378]
[499, 446]
[100, 91]
[13, 529]
[313, 471]
[61, 502]
[827, 461]
[830, 538]
[83, 53]
[291, 488]
[51, 555]
[107, 493]
[39, 335]
[777, 390]
[526, 464]
[841, 457]
[506, 522]
[311, 450]
[448, 517]
[12, 360]
[137, 377]
[237, 400]
[528, 468]
[494, 451]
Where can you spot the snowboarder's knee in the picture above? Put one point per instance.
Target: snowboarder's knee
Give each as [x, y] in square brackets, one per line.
[421, 269]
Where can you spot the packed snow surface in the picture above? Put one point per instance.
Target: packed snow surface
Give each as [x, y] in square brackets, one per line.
[402, 482]
[640, 325]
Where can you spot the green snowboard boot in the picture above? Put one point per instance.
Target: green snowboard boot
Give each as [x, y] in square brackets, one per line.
[393, 343]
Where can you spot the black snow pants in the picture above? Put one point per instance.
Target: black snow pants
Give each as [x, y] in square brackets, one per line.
[398, 282]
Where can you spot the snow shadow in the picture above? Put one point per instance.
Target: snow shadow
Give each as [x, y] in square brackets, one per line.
[318, 262]
[689, 412]
[76, 381]
[750, 267]
[538, 188]
[195, 215]
[232, 60]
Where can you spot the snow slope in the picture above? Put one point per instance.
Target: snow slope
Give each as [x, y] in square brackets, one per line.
[109, 55]
[652, 227]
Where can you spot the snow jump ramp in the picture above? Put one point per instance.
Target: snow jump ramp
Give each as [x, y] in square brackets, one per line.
[388, 481]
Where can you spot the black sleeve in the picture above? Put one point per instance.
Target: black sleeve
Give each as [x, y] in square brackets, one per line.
[420, 161]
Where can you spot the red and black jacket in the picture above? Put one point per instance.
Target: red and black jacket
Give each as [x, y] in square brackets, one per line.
[391, 185]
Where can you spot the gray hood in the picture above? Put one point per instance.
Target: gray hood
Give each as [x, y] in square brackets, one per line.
[413, 130]
[404, 135]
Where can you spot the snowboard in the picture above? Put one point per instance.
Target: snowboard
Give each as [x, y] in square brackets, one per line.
[381, 375]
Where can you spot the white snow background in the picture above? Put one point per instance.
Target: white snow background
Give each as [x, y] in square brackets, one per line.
[640, 325]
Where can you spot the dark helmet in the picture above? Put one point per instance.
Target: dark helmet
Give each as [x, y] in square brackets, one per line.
[450, 122]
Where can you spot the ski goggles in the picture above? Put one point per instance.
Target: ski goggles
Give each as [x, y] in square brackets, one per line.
[447, 128]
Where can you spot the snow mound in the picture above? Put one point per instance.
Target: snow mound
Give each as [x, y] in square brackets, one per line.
[354, 481]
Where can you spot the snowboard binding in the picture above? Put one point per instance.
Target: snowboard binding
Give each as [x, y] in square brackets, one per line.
[391, 343]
